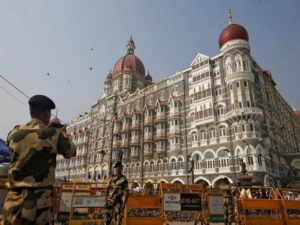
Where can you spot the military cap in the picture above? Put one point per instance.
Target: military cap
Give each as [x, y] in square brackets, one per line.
[118, 164]
[41, 101]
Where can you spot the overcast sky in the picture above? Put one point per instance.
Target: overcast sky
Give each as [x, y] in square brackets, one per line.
[45, 46]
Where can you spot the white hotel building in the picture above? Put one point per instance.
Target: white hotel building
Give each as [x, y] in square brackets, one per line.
[194, 126]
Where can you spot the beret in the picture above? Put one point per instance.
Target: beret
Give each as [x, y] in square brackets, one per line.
[118, 164]
[41, 101]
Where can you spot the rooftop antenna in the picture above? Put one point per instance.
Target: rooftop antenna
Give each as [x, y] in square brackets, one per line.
[230, 20]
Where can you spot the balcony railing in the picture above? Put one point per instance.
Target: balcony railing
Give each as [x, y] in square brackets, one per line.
[147, 152]
[148, 121]
[134, 141]
[125, 129]
[135, 125]
[160, 118]
[124, 143]
[148, 137]
[160, 135]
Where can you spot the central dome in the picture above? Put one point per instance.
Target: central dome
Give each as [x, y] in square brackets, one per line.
[232, 31]
[129, 61]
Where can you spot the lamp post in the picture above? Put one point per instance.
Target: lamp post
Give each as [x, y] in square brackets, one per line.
[191, 168]
[231, 151]
[233, 164]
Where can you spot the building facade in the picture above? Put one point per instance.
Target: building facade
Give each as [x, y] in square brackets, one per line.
[75, 168]
[195, 126]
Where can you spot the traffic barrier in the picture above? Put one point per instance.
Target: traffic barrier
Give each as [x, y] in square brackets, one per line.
[290, 203]
[254, 210]
[143, 209]
[87, 205]
[182, 203]
[215, 202]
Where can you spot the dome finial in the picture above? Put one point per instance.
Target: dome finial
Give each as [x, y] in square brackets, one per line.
[230, 21]
[130, 46]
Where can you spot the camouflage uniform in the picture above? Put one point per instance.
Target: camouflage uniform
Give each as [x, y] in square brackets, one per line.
[228, 205]
[31, 174]
[118, 186]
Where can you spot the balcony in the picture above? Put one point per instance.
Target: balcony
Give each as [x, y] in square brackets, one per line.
[116, 144]
[160, 118]
[125, 129]
[174, 130]
[161, 151]
[174, 114]
[134, 156]
[135, 126]
[250, 112]
[134, 141]
[160, 136]
[174, 147]
[148, 121]
[125, 157]
[124, 143]
[148, 138]
[148, 152]
[116, 130]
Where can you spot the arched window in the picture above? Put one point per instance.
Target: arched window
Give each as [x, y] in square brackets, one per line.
[192, 117]
[160, 165]
[212, 133]
[237, 63]
[222, 131]
[228, 65]
[173, 164]
[180, 163]
[208, 155]
[202, 135]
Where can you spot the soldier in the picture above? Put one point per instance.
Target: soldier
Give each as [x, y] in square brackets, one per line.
[228, 203]
[116, 195]
[31, 175]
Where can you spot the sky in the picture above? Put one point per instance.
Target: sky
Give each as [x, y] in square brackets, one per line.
[48, 47]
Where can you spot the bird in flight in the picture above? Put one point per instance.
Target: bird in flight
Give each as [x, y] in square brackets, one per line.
[91, 68]
[48, 74]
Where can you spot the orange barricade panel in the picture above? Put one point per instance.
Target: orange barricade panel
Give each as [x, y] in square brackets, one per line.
[263, 221]
[87, 204]
[292, 204]
[144, 210]
[182, 202]
[261, 204]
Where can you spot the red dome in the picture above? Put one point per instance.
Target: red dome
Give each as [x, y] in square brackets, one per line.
[233, 32]
[297, 113]
[129, 62]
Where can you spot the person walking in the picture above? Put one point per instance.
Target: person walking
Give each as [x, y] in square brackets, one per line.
[31, 174]
[116, 195]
